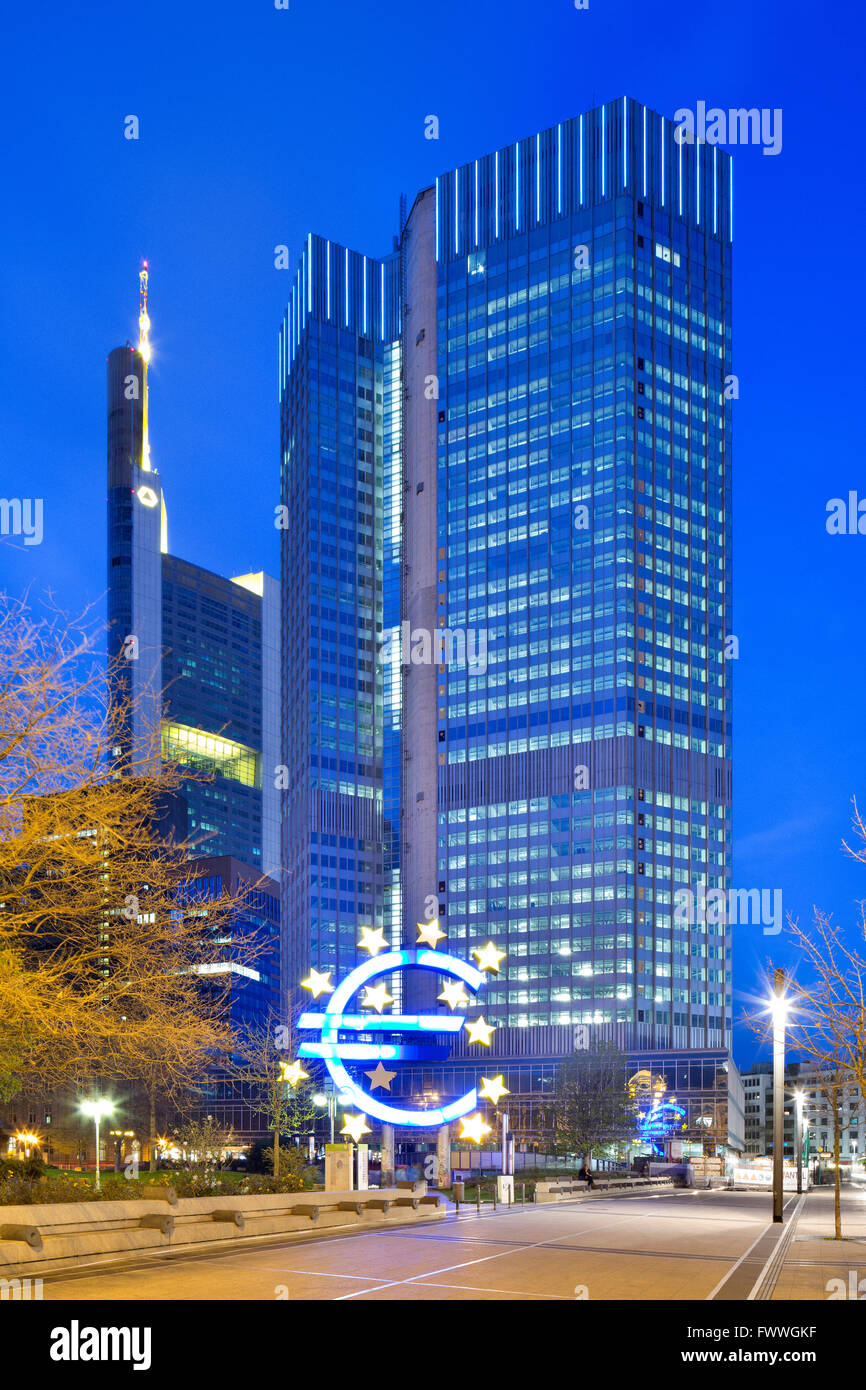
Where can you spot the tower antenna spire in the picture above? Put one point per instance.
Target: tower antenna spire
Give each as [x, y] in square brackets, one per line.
[144, 349]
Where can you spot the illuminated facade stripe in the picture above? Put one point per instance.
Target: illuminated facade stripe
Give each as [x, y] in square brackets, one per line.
[456, 210]
[581, 161]
[372, 1052]
[643, 152]
[624, 143]
[559, 168]
[577, 163]
[385, 1023]
[517, 187]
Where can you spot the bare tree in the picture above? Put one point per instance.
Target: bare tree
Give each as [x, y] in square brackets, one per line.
[266, 1065]
[827, 1024]
[107, 971]
[203, 1142]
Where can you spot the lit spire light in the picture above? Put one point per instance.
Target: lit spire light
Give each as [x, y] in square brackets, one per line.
[144, 350]
[143, 316]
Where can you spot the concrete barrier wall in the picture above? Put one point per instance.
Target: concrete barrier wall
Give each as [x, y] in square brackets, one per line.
[565, 1190]
[41, 1237]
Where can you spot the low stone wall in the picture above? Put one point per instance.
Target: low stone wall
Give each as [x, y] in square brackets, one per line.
[565, 1190]
[44, 1237]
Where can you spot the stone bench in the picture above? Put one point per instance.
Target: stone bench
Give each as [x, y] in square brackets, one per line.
[550, 1191]
[57, 1235]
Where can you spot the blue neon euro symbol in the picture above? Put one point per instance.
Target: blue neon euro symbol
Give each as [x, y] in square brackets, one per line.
[334, 1019]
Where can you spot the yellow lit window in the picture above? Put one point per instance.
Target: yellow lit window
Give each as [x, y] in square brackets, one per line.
[211, 753]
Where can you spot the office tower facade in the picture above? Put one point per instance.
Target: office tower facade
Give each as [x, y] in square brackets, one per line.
[816, 1092]
[563, 540]
[255, 998]
[337, 370]
[582, 489]
[136, 528]
[199, 679]
[199, 653]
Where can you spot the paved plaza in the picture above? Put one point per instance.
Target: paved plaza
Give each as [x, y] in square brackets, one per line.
[669, 1246]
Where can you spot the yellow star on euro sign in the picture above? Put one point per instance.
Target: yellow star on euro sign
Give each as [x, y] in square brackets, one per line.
[293, 1072]
[479, 1031]
[377, 998]
[454, 994]
[318, 982]
[372, 941]
[493, 1089]
[488, 957]
[381, 1078]
[429, 933]
[354, 1126]
[473, 1127]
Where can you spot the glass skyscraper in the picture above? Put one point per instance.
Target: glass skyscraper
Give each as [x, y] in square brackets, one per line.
[199, 677]
[548, 500]
[199, 667]
[338, 369]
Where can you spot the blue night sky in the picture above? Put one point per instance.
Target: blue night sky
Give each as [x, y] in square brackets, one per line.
[258, 125]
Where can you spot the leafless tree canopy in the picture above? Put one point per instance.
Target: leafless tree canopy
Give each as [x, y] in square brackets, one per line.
[105, 971]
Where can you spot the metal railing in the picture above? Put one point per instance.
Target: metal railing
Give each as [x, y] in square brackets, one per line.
[477, 1200]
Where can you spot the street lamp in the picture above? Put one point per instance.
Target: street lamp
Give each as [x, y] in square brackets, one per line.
[26, 1141]
[331, 1099]
[779, 1010]
[95, 1109]
[799, 1099]
[328, 1100]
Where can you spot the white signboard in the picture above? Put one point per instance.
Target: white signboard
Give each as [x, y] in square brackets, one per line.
[763, 1177]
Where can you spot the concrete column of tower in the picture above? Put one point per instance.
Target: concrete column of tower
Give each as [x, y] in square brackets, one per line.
[388, 1175]
[443, 1149]
[422, 896]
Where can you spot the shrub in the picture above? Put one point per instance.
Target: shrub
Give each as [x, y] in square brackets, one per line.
[22, 1167]
[256, 1160]
[196, 1183]
[286, 1182]
[17, 1189]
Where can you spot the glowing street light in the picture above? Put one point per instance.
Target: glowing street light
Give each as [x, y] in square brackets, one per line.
[328, 1100]
[779, 1005]
[799, 1098]
[95, 1109]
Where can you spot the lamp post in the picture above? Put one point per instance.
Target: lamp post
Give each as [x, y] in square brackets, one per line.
[798, 1136]
[328, 1100]
[95, 1109]
[779, 1006]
